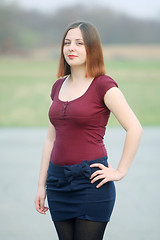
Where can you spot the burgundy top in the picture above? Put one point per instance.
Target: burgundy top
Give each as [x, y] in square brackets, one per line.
[80, 123]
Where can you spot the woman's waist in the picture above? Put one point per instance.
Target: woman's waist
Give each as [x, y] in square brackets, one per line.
[72, 155]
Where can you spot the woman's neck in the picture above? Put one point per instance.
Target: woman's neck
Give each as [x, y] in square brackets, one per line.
[78, 74]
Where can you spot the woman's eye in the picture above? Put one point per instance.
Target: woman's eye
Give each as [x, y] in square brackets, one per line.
[66, 43]
[79, 43]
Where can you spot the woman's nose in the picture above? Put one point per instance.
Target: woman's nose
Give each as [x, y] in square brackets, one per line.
[72, 47]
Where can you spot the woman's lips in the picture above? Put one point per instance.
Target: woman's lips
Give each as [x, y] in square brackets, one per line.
[72, 56]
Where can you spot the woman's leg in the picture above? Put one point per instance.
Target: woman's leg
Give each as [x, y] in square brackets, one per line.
[89, 230]
[65, 229]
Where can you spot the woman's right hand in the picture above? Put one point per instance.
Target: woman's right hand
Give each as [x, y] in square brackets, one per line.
[40, 200]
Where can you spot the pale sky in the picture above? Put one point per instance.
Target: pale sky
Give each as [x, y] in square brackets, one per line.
[136, 8]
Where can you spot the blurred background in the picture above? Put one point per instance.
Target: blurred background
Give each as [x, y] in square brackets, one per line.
[30, 39]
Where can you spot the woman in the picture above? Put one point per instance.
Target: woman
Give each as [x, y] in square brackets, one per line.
[74, 171]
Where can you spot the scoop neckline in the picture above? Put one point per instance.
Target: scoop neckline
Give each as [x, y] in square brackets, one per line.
[75, 99]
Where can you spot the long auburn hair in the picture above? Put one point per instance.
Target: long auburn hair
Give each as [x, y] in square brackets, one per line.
[94, 60]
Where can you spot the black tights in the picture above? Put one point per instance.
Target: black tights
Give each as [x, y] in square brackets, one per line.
[78, 229]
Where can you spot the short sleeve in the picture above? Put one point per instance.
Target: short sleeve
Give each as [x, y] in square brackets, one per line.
[105, 83]
[53, 91]
[54, 87]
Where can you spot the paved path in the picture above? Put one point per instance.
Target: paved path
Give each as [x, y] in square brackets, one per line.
[137, 211]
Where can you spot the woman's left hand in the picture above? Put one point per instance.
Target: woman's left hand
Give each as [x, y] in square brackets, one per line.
[105, 173]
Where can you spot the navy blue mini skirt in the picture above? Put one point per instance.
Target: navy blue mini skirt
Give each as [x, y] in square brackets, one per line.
[71, 194]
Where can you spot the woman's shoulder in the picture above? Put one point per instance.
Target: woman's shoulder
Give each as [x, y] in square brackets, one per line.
[59, 81]
[106, 80]
[56, 84]
[104, 83]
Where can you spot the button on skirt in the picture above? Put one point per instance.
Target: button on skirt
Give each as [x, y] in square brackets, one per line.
[71, 194]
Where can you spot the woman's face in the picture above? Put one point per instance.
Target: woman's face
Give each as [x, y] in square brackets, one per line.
[74, 50]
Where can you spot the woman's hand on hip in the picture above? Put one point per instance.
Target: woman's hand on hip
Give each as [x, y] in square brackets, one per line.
[40, 200]
[105, 173]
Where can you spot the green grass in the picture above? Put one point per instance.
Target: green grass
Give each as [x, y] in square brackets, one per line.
[140, 83]
[25, 87]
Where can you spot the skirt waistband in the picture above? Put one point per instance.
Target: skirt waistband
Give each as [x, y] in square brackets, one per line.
[76, 170]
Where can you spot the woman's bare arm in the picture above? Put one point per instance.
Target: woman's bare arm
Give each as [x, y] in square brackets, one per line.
[116, 102]
[41, 192]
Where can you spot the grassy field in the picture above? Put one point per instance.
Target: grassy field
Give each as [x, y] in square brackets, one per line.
[25, 88]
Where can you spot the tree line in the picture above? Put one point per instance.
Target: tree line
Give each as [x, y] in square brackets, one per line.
[29, 29]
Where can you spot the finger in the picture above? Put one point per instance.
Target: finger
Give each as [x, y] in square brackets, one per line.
[102, 182]
[96, 173]
[101, 166]
[46, 209]
[97, 178]
[40, 209]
